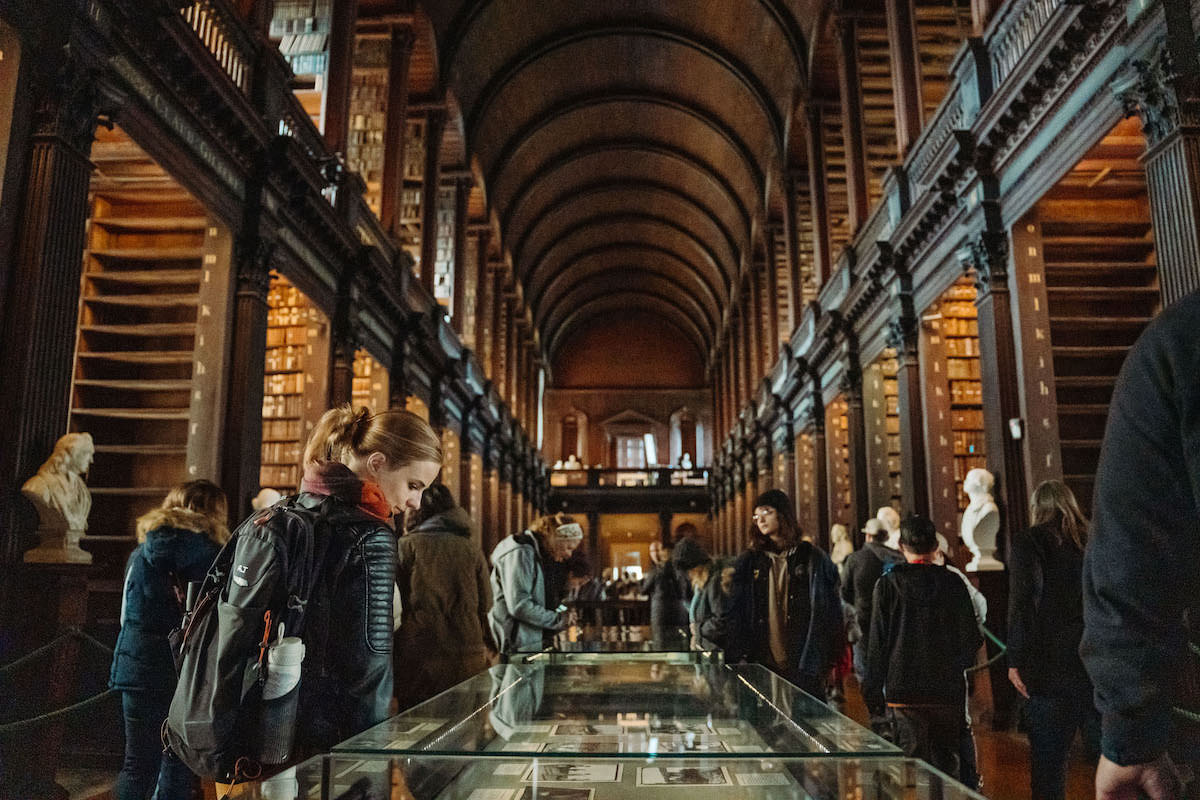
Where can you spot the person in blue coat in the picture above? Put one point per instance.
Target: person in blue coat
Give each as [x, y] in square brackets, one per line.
[177, 543]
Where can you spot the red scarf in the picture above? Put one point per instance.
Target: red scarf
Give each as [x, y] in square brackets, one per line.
[334, 479]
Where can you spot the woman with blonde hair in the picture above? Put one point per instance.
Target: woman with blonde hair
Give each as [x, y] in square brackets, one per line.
[519, 617]
[360, 471]
[176, 544]
[1045, 626]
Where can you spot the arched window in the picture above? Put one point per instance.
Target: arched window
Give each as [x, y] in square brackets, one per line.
[569, 437]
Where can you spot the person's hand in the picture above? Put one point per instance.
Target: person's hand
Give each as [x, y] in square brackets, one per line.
[1014, 677]
[1157, 780]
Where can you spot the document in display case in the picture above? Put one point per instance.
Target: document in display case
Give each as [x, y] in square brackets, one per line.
[708, 710]
[349, 776]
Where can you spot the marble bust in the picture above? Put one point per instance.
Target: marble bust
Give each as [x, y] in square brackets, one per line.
[980, 521]
[62, 501]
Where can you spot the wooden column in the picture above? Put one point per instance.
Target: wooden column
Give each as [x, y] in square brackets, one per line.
[498, 334]
[791, 239]
[458, 298]
[344, 344]
[904, 337]
[488, 514]
[989, 255]
[754, 319]
[483, 297]
[818, 190]
[853, 126]
[396, 125]
[40, 312]
[981, 13]
[860, 489]
[435, 126]
[784, 467]
[772, 304]
[906, 72]
[338, 75]
[820, 458]
[1172, 160]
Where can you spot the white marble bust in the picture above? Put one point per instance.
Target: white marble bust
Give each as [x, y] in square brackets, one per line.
[981, 521]
[62, 501]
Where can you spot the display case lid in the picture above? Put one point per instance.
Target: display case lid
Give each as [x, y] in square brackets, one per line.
[351, 776]
[703, 710]
[599, 643]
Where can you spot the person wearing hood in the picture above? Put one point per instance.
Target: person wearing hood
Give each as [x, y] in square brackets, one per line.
[923, 635]
[443, 578]
[786, 613]
[712, 586]
[177, 543]
[519, 618]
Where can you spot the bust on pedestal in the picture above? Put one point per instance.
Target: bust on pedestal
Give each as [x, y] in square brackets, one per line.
[62, 501]
[981, 521]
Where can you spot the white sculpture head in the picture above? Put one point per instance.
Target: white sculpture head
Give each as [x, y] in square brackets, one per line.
[73, 453]
[978, 484]
[890, 518]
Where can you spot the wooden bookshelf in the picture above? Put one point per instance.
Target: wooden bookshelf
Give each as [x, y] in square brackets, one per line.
[414, 173]
[881, 399]
[370, 386]
[837, 445]
[295, 382]
[368, 115]
[960, 329]
[148, 364]
[807, 496]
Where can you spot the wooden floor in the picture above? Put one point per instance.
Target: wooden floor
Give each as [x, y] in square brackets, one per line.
[1003, 758]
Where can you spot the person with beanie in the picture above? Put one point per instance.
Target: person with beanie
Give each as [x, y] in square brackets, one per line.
[786, 613]
[711, 589]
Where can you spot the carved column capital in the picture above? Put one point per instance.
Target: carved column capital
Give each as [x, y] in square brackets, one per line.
[1147, 90]
[987, 254]
[253, 262]
[71, 106]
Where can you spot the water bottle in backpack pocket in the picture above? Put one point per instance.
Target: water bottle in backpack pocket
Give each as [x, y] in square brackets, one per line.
[236, 698]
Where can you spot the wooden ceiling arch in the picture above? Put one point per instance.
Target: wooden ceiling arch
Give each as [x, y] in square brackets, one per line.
[629, 149]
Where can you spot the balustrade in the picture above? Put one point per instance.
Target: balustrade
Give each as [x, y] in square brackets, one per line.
[225, 36]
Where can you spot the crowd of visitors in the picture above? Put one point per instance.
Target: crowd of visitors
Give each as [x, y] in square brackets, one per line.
[1098, 625]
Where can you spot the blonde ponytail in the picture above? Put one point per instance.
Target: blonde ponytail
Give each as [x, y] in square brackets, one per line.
[400, 435]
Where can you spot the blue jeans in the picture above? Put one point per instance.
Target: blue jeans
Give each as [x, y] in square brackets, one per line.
[145, 767]
[1052, 725]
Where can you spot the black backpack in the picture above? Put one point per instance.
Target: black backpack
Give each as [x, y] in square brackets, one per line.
[263, 576]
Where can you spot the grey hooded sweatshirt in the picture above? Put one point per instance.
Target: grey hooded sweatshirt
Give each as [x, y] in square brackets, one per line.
[518, 617]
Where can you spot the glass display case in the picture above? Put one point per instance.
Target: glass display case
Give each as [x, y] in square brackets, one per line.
[595, 644]
[348, 776]
[621, 707]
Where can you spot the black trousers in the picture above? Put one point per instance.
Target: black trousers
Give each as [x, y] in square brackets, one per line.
[931, 733]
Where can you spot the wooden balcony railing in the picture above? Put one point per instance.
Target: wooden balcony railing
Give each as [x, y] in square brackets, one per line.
[651, 477]
[225, 36]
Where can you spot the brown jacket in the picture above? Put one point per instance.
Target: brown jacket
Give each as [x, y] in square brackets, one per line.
[444, 589]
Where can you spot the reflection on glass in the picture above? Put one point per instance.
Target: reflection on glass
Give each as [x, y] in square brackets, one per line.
[614, 707]
[355, 777]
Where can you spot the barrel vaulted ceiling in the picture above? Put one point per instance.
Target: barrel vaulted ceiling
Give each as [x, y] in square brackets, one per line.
[628, 147]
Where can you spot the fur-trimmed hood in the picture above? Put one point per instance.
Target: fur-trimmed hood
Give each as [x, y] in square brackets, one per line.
[183, 519]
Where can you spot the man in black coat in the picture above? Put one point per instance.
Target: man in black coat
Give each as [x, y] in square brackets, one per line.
[1141, 591]
[863, 568]
[923, 636]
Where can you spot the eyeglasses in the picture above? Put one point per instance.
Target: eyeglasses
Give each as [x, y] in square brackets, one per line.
[757, 515]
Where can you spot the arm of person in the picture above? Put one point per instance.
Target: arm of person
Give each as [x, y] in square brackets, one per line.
[716, 625]
[483, 587]
[877, 649]
[1145, 542]
[1024, 586]
[848, 580]
[516, 576]
[366, 682]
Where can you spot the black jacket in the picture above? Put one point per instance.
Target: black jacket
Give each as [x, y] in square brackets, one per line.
[815, 624]
[346, 685]
[1045, 613]
[1140, 568]
[666, 590]
[923, 635]
[863, 568]
[711, 605]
